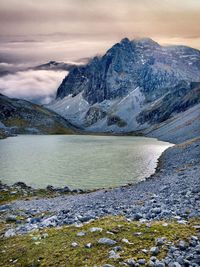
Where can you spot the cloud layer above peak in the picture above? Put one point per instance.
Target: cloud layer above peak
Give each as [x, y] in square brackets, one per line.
[36, 85]
[101, 20]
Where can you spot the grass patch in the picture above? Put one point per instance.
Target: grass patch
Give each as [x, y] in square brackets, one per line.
[18, 194]
[114, 119]
[14, 121]
[56, 128]
[56, 249]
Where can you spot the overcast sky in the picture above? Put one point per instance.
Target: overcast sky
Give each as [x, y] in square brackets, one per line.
[71, 29]
[36, 31]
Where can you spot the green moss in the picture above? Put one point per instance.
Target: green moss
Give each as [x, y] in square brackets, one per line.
[14, 121]
[8, 196]
[114, 119]
[42, 110]
[56, 249]
[56, 128]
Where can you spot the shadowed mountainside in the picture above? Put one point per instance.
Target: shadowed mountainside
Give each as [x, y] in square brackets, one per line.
[20, 116]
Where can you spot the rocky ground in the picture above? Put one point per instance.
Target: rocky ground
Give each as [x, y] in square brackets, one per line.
[107, 242]
[172, 193]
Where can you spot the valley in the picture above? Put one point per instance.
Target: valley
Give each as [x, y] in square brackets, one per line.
[131, 215]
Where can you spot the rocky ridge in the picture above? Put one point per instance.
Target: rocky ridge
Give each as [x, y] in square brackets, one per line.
[135, 85]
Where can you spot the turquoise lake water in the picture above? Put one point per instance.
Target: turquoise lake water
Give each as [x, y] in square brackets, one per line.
[78, 161]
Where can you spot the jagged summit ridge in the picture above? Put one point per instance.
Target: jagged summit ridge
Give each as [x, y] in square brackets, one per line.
[112, 90]
[129, 64]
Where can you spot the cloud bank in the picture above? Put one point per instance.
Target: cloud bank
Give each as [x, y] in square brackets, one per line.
[39, 86]
[81, 28]
[35, 32]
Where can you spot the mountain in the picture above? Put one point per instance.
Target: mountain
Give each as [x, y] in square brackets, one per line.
[135, 85]
[179, 128]
[20, 116]
[53, 65]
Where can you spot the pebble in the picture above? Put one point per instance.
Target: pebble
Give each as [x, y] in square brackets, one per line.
[160, 241]
[145, 251]
[80, 234]
[45, 235]
[107, 241]
[117, 248]
[141, 261]
[13, 192]
[110, 233]
[74, 244]
[130, 262]
[154, 251]
[159, 264]
[113, 255]
[151, 264]
[153, 258]
[11, 218]
[176, 264]
[36, 238]
[95, 229]
[137, 233]
[183, 245]
[9, 233]
[126, 241]
[138, 216]
[89, 245]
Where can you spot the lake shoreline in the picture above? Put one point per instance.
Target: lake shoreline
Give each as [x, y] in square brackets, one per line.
[167, 170]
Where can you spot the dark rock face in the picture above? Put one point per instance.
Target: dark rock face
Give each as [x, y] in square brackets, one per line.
[178, 99]
[129, 64]
[93, 115]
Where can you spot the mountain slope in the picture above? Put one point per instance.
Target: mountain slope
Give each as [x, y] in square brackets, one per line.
[20, 116]
[136, 84]
[180, 127]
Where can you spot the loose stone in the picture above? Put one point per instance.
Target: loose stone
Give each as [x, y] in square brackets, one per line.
[107, 241]
[154, 251]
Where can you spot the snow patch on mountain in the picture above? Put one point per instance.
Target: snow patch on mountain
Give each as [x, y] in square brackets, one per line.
[126, 109]
[72, 107]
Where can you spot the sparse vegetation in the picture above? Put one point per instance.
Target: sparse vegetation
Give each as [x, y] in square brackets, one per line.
[53, 247]
[114, 119]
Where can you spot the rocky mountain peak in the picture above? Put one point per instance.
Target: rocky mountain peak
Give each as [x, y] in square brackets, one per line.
[146, 42]
[127, 65]
[125, 41]
[130, 76]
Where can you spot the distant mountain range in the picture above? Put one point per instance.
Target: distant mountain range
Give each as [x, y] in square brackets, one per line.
[51, 65]
[135, 85]
[54, 65]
